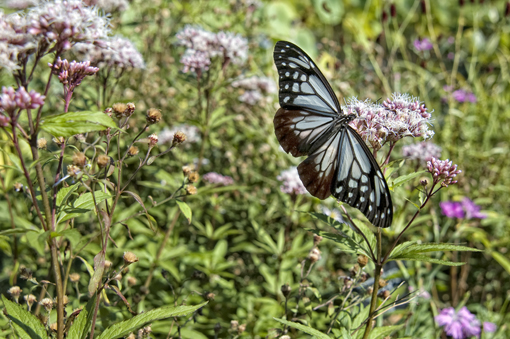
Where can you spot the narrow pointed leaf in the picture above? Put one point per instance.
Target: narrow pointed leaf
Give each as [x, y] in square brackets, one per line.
[304, 328]
[68, 124]
[27, 326]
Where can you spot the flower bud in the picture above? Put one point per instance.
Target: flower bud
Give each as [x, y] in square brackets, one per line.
[129, 258]
[242, 328]
[130, 109]
[384, 294]
[316, 240]
[15, 292]
[79, 159]
[74, 277]
[382, 283]
[103, 160]
[42, 143]
[286, 289]
[186, 170]
[364, 276]
[47, 303]
[25, 273]
[118, 277]
[132, 151]
[314, 255]
[30, 299]
[59, 141]
[347, 282]
[131, 281]
[153, 116]
[210, 296]
[191, 190]
[354, 270]
[73, 170]
[234, 325]
[362, 260]
[119, 109]
[193, 177]
[179, 138]
[107, 264]
[153, 140]
[18, 187]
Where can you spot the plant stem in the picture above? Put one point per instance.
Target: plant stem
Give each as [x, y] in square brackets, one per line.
[377, 276]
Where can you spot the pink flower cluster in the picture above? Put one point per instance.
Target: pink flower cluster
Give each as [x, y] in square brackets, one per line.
[396, 118]
[118, 52]
[423, 151]
[215, 178]
[71, 74]
[109, 6]
[462, 324]
[202, 46]
[463, 209]
[255, 87]
[291, 183]
[422, 45]
[443, 171]
[11, 100]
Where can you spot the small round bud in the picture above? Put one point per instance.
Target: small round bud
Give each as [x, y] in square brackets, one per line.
[347, 282]
[103, 160]
[131, 336]
[382, 283]
[79, 159]
[153, 140]
[130, 109]
[424, 182]
[286, 289]
[65, 300]
[153, 116]
[18, 187]
[147, 330]
[242, 328]
[217, 328]
[74, 277]
[364, 276]
[179, 138]
[193, 177]
[131, 281]
[234, 325]
[118, 277]
[314, 255]
[316, 239]
[59, 141]
[73, 171]
[25, 273]
[132, 151]
[384, 294]
[186, 170]
[370, 290]
[47, 303]
[107, 264]
[191, 190]
[30, 299]
[362, 260]
[15, 292]
[210, 296]
[144, 290]
[42, 143]
[129, 258]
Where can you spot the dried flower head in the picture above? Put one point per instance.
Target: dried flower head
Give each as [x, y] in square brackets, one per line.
[314, 255]
[120, 109]
[218, 179]
[118, 277]
[186, 170]
[30, 300]
[291, 183]
[286, 289]
[443, 171]
[107, 264]
[385, 294]
[103, 160]
[47, 303]
[153, 116]
[59, 140]
[25, 273]
[242, 328]
[191, 133]
[74, 277]
[423, 151]
[396, 118]
[316, 239]
[42, 143]
[79, 159]
[362, 260]
[12, 100]
[15, 292]
[191, 190]
[129, 258]
[132, 151]
[132, 281]
[234, 325]
[153, 140]
[193, 177]
[179, 138]
[73, 171]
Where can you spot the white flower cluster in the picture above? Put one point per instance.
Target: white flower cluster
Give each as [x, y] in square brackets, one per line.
[203, 45]
[109, 6]
[291, 183]
[423, 151]
[192, 134]
[115, 52]
[255, 87]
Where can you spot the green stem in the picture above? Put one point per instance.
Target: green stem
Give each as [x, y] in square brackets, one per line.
[377, 276]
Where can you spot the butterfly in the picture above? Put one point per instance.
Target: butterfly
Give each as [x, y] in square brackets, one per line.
[311, 122]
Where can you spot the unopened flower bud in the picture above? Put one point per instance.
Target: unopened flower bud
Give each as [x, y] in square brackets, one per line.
[42, 143]
[118, 277]
[316, 240]
[354, 270]
[103, 160]
[347, 282]
[382, 283]
[79, 159]
[132, 151]
[370, 289]
[362, 260]
[424, 182]
[74, 277]
[210, 296]
[191, 190]
[15, 292]
[59, 141]
[153, 140]
[30, 299]
[131, 336]
[234, 325]
[364, 276]
[179, 138]
[25, 273]
[286, 289]
[18, 187]
[47, 303]
[186, 170]
[242, 328]
[65, 300]
[193, 177]
[131, 281]
[130, 109]
[217, 328]
[384, 294]
[147, 330]
[314, 255]
[129, 258]
[153, 116]
[107, 264]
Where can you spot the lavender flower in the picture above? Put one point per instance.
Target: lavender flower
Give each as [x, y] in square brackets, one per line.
[117, 52]
[462, 324]
[452, 209]
[422, 45]
[472, 210]
[195, 61]
[109, 6]
[66, 22]
[291, 182]
[255, 87]
[443, 171]
[72, 74]
[394, 119]
[423, 151]
[15, 43]
[251, 97]
[462, 96]
[233, 46]
[215, 178]
[19, 4]
[192, 134]
[11, 100]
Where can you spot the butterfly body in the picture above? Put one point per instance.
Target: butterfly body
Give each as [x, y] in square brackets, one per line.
[311, 123]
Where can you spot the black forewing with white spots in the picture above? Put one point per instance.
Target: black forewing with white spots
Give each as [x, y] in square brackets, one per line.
[312, 123]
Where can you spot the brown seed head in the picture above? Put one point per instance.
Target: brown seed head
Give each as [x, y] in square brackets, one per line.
[103, 160]
[131, 281]
[193, 177]
[363, 277]
[107, 264]
[347, 282]
[79, 159]
[384, 294]
[242, 328]
[153, 140]
[186, 170]
[234, 325]
[133, 150]
[382, 283]
[74, 277]
[179, 138]
[119, 109]
[191, 190]
[316, 239]
[354, 270]
[362, 260]
[15, 292]
[42, 143]
[314, 255]
[73, 171]
[118, 277]
[47, 303]
[30, 299]
[25, 273]
[130, 109]
[129, 258]
[210, 296]
[153, 116]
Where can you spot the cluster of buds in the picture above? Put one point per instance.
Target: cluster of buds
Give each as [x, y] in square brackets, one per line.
[443, 171]
[71, 74]
[123, 110]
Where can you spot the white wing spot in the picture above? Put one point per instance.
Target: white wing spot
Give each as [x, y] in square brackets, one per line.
[295, 87]
[287, 86]
[292, 65]
[355, 171]
[300, 62]
[295, 75]
[339, 189]
[372, 196]
[353, 183]
[286, 99]
[362, 199]
[283, 51]
[363, 189]
[287, 46]
[284, 63]
[364, 178]
[287, 74]
[382, 216]
[350, 195]
[306, 88]
[303, 77]
[370, 208]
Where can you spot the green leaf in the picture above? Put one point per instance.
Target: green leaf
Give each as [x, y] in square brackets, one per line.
[184, 209]
[68, 124]
[430, 247]
[140, 202]
[405, 178]
[89, 267]
[329, 11]
[425, 258]
[383, 331]
[123, 328]
[501, 260]
[306, 329]
[81, 326]
[25, 323]
[99, 260]
[64, 193]
[16, 231]
[83, 204]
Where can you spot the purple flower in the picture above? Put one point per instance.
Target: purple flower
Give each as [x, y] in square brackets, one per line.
[422, 45]
[443, 171]
[72, 74]
[291, 183]
[489, 327]
[251, 97]
[118, 52]
[215, 178]
[396, 118]
[255, 87]
[423, 151]
[452, 209]
[11, 100]
[472, 210]
[109, 6]
[462, 96]
[195, 61]
[459, 325]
